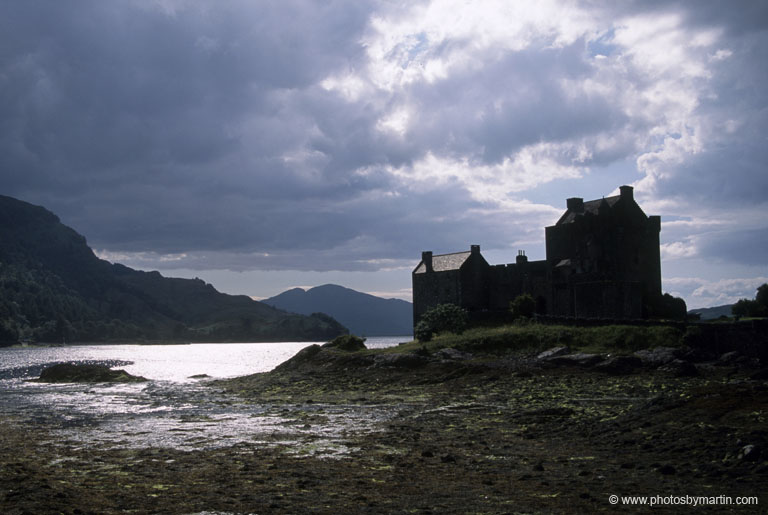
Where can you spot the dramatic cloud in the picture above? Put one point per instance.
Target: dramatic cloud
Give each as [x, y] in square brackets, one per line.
[349, 136]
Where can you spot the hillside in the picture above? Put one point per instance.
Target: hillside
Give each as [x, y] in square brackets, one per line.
[53, 288]
[362, 313]
[713, 312]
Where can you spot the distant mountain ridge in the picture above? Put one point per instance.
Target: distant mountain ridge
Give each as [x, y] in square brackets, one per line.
[363, 314]
[53, 288]
[713, 312]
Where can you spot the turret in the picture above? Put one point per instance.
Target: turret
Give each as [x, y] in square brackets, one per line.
[627, 192]
[426, 258]
[575, 204]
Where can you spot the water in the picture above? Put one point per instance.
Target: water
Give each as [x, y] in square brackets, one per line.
[176, 363]
[174, 408]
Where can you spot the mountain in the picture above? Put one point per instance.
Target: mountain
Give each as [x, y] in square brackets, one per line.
[363, 314]
[53, 288]
[713, 312]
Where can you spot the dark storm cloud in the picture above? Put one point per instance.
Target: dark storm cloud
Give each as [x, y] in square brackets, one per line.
[206, 129]
[155, 130]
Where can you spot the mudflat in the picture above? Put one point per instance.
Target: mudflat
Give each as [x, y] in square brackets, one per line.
[518, 433]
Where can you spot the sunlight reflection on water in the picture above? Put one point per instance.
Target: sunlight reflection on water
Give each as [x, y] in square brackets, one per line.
[172, 409]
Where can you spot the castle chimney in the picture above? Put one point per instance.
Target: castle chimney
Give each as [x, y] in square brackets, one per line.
[627, 192]
[475, 249]
[426, 258]
[575, 204]
[521, 257]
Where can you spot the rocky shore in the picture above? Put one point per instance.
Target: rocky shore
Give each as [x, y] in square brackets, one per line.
[475, 428]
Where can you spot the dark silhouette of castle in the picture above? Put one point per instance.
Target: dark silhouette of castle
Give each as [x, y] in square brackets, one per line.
[603, 261]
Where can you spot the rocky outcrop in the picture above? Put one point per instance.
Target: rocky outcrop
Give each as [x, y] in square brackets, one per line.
[346, 342]
[86, 373]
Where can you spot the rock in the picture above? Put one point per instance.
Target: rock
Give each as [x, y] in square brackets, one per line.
[749, 453]
[86, 373]
[452, 354]
[619, 365]
[347, 342]
[680, 368]
[303, 356]
[732, 357]
[400, 360]
[579, 359]
[735, 358]
[554, 352]
[658, 356]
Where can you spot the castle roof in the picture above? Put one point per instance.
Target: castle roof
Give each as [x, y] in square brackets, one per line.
[445, 262]
[591, 207]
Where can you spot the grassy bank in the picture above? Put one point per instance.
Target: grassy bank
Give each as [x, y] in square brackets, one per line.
[512, 338]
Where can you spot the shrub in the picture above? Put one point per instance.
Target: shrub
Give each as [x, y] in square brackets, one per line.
[523, 306]
[442, 318]
[423, 331]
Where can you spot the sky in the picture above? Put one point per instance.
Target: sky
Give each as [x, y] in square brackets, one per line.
[262, 146]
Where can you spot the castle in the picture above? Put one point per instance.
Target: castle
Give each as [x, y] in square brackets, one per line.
[603, 261]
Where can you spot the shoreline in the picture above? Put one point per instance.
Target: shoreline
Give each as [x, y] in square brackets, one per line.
[472, 428]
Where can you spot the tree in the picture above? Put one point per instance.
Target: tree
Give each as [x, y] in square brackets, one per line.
[762, 296]
[668, 307]
[753, 308]
[8, 333]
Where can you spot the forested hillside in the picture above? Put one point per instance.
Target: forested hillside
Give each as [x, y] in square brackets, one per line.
[53, 288]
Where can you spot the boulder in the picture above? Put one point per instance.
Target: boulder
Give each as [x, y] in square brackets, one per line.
[554, 352]
[620, 365]
[680, 368]
[451, 354]
[579, 359]
[658, 356]
[86, 373]
[749, 453]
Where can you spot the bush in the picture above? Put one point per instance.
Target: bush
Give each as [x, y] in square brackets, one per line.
[442, 318]
[523, 306]
[423, 331]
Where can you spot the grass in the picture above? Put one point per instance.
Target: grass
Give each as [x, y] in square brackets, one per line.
[617, 339]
